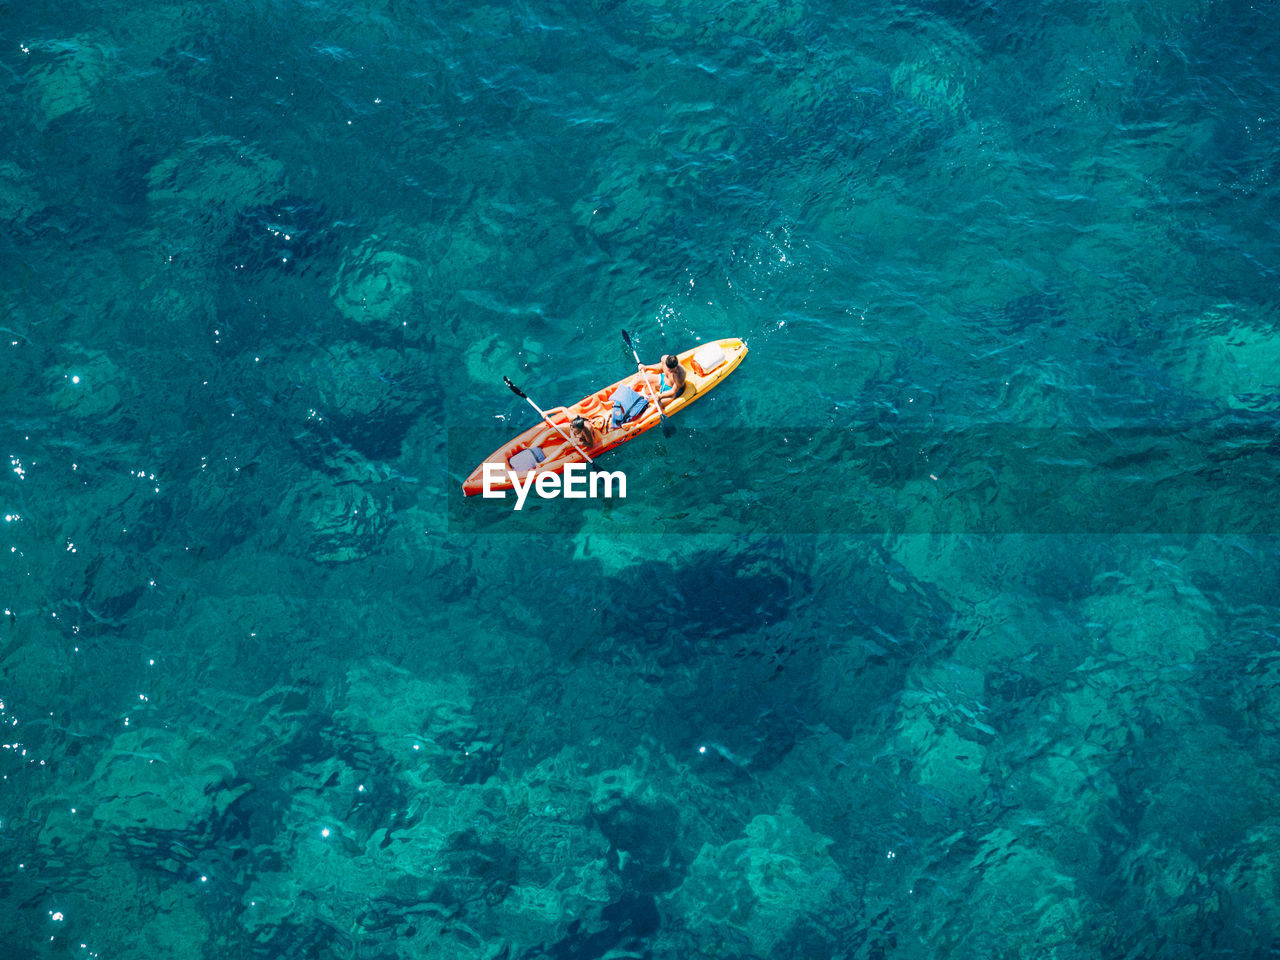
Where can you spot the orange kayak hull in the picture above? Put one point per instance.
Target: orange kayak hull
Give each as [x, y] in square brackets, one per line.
[559, 453]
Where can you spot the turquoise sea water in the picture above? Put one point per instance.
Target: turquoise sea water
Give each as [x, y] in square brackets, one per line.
[948, 626]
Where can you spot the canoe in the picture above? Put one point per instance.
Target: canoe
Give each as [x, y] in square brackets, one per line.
[705, 367]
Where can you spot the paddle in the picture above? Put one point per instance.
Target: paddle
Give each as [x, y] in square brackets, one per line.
[667, 429]
[520, 393]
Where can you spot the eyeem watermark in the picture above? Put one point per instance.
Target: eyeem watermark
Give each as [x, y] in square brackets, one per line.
[578, 483]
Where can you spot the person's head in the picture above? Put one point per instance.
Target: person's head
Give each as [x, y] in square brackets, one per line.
[580, 424]
[670, 361]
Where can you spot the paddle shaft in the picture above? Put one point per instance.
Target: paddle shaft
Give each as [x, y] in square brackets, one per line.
[653, 395]
[667, 429]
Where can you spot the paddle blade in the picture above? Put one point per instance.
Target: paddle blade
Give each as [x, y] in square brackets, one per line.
[626, 338]
[514, 389]
[667, 429]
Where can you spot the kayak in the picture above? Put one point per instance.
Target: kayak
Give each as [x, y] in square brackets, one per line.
[540, 449]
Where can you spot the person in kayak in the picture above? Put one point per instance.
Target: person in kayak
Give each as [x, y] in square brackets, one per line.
[668, 369]
[587, 433]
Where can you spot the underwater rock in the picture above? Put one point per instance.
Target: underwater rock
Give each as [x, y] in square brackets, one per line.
[597, 541]
[18, 198]
[375, 284]
[763, 884]
[68, 77]
[583, 840]
[940, 727]
[175, 926]
[1021, 903]
[1232, 361]
[160, 780]
[945, 762]
[436, 876]
[107, 905]
[643, 841]
[623, 206]
[489, 353]
[1068, 761]
[1162, 884]
[34, 659]
[346, 523]
[426, 723]
[1256, 875]
[933, 83]
[1155, 616]
[216, 172]
[460, 253]
[190, 57]
[193, 195]
[87, 384]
